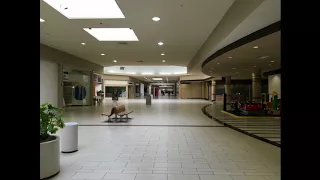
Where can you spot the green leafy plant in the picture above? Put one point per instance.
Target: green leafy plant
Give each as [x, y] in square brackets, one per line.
[50, 121]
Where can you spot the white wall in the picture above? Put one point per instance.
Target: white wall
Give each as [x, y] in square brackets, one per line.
[274, 84]
[49, 82]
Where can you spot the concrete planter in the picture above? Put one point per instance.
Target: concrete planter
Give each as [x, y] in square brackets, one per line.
[49, 158]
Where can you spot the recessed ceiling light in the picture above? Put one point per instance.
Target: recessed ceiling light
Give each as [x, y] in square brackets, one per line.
[160, 43]
[218, 63]
[162, 54]
[110, 71]
[234, 68]
[147, 73]
[115, 61]
[157, 79]
[112, 34]
[254, 66]
[87, 9]
[229, 57]
[83, 43]
[41, 20]
[255, 47]
[156, 19]
[102, 54]
[272, 61]
[164, 73]
[163, 60]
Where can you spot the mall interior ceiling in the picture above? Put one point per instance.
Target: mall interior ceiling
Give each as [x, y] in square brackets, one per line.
[174, 37]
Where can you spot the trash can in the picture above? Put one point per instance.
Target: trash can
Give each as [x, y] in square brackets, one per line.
[148, 99]
[69, 137]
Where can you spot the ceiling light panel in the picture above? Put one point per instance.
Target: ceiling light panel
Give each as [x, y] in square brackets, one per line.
[157, 79]
[112, 34]
[87, 9]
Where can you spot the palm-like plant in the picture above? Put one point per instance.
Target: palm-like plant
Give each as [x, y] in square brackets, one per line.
[50, 121]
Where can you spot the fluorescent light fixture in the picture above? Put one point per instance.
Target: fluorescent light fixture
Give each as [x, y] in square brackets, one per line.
[147, 73]
[156, 19]
[230, 57]
[163, 60]
[157, 79]
[102, 54]
[263, 57]
[41, 20]
[83, 43]
[255, 47]
[132, 73]
[162, 54]
[272, 61]
[164, 73]
[87, 9]
[179, 73]
[115, 61]
[111, 71]
[160, 43]
[218, 63]
[112, 34]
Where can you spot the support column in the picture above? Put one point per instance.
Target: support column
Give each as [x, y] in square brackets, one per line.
[227, 88]
[91, 85]
[141, 89]
[103, 88]
[213, 90]
[133, 95]
[256, 85]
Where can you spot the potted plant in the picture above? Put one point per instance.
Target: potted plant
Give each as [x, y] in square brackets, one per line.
[50, 122]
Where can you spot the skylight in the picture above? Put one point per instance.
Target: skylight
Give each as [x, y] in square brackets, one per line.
[112, 34]
[87, 9]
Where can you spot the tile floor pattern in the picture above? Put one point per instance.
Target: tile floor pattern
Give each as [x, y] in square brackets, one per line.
[161, 112]
[169, 153]
[165, 152]
[267, 128]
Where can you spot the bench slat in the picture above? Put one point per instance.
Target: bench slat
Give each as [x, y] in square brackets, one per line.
[125, 113]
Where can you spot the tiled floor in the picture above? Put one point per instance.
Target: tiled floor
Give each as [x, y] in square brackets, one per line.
[267, 128]
[167, 152]
[161, 112]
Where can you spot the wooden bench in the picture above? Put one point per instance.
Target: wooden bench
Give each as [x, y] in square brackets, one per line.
[118, 111]
[121, 111]
[109, 114]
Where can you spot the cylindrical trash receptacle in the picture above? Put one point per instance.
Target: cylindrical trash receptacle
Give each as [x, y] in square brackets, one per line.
[69, 137]
[148, 100]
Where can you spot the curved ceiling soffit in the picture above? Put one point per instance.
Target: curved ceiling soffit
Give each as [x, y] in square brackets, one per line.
[245, 40]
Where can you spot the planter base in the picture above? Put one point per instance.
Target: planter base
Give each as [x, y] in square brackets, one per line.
[51, 176]
[49, 158]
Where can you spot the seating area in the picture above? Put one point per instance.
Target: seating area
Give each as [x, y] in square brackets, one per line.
[119, 110]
